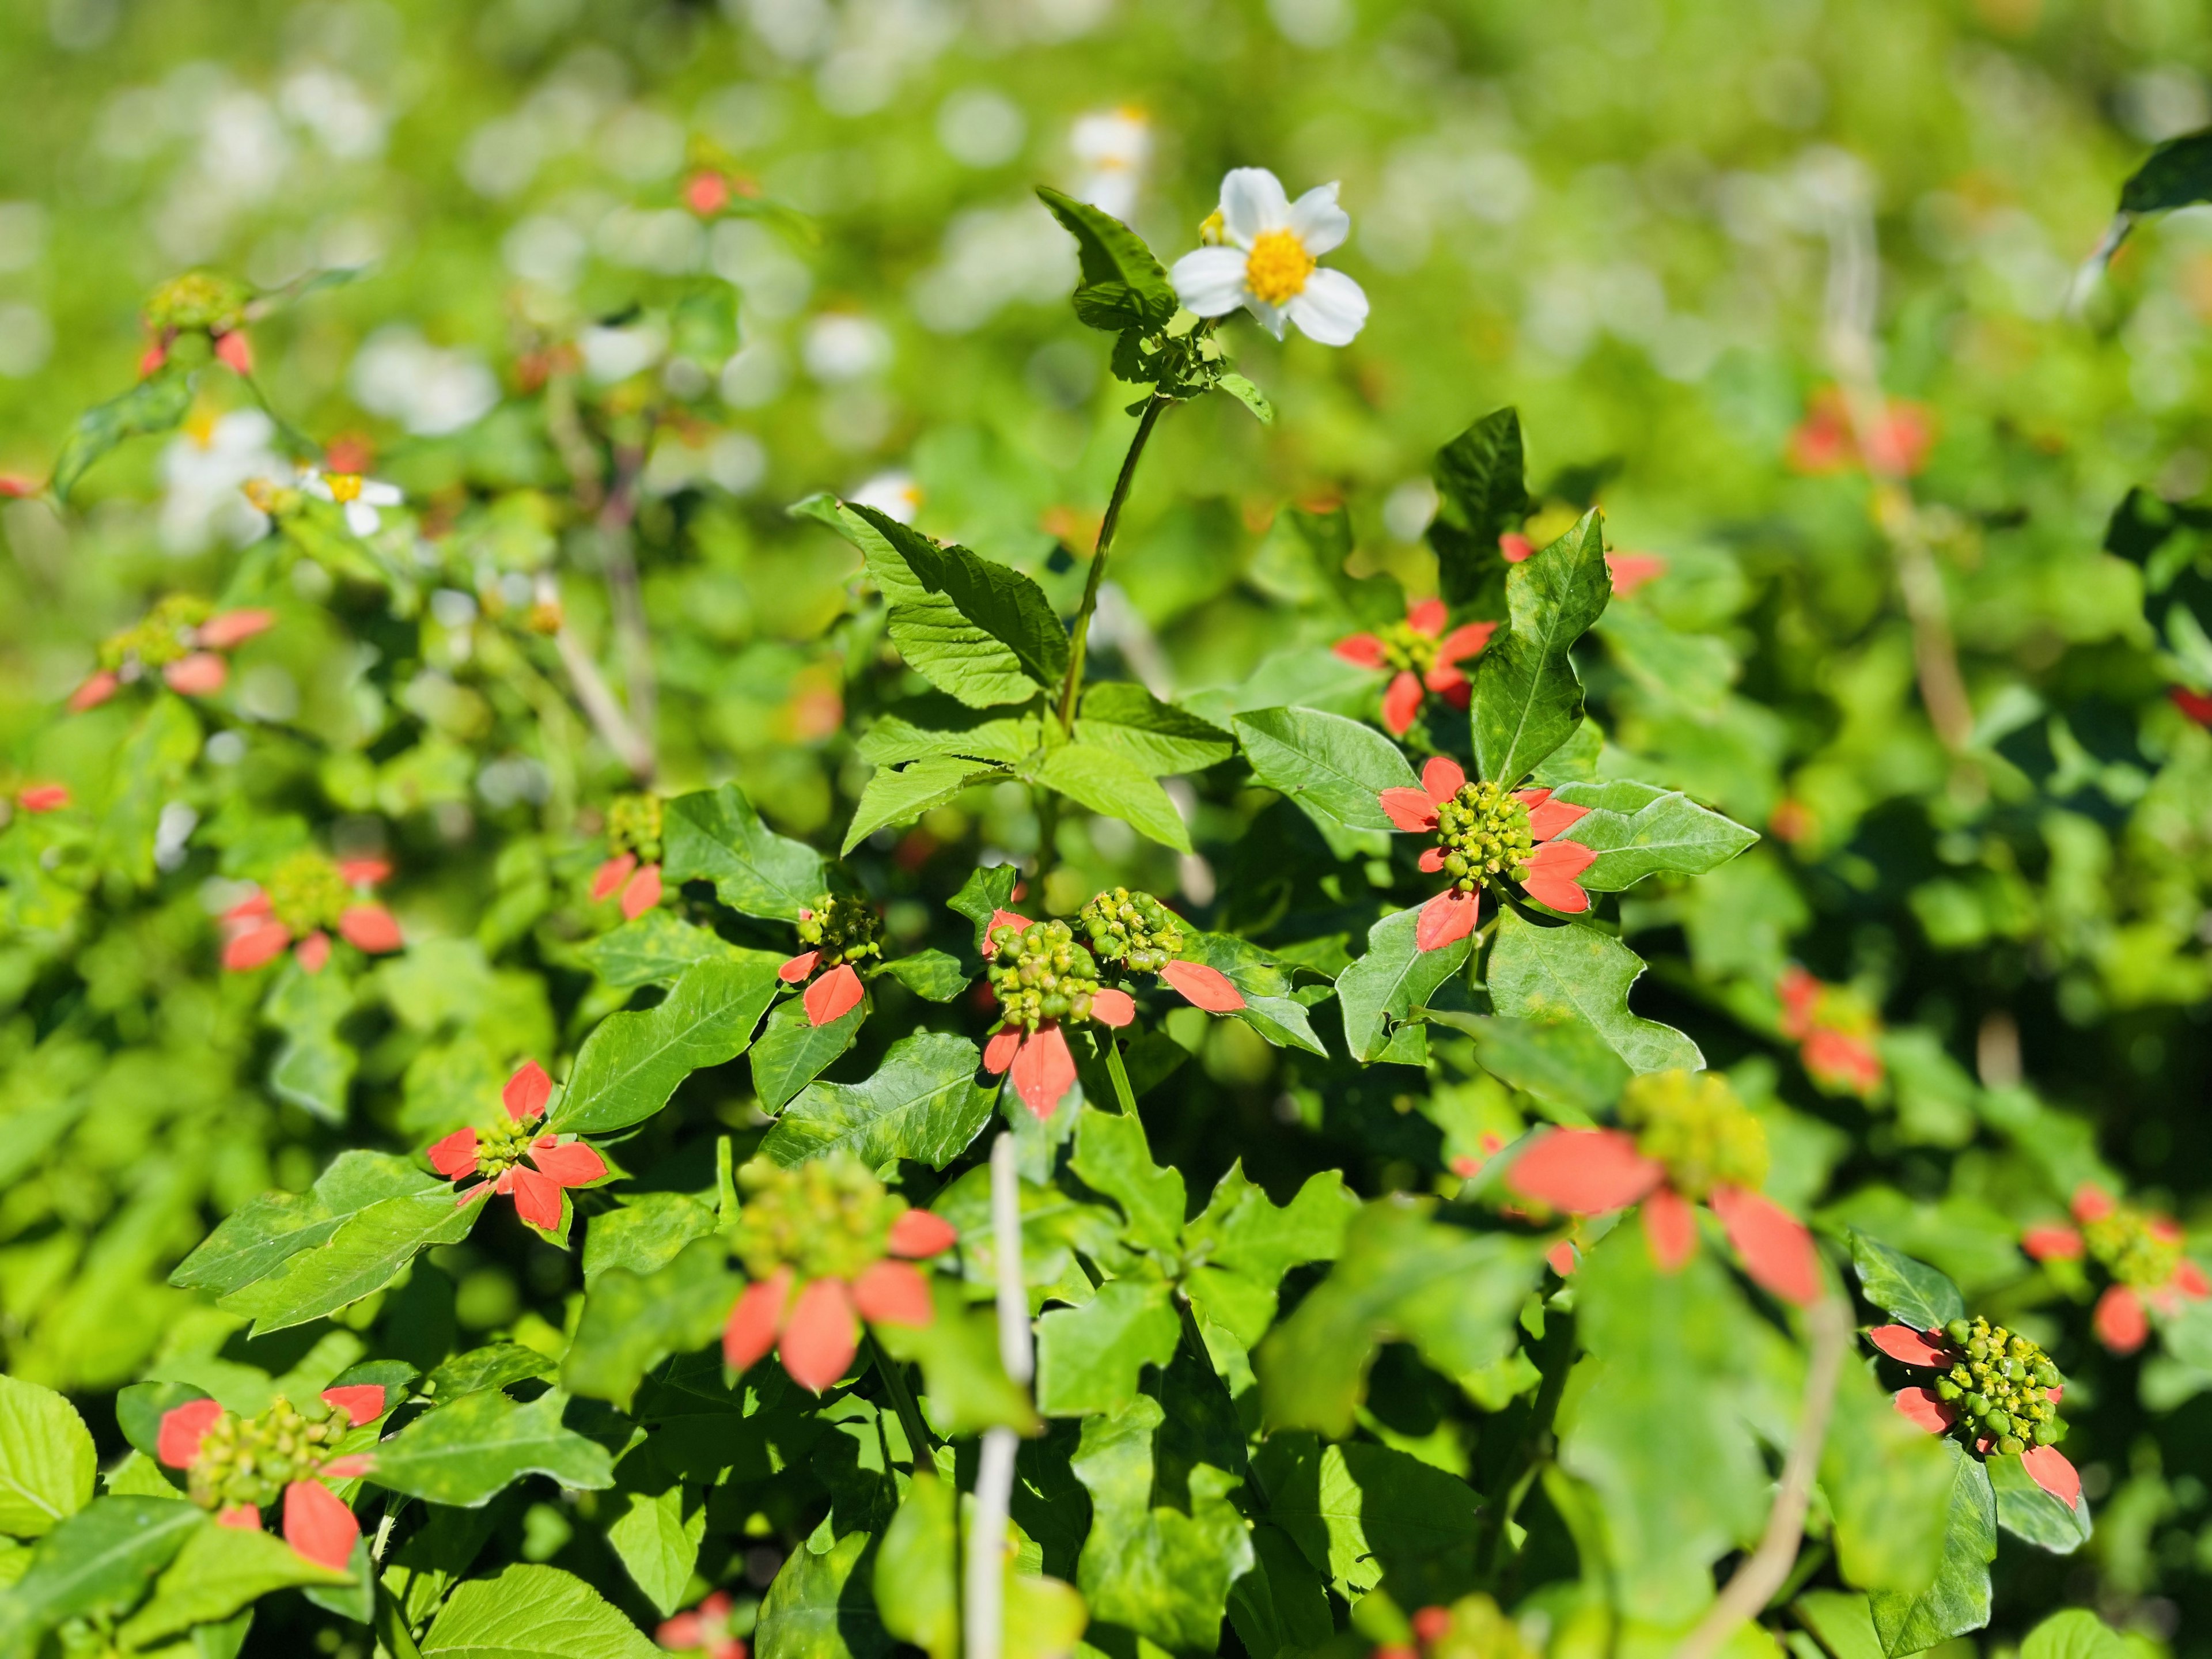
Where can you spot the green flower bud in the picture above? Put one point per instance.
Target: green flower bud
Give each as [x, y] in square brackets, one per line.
[1958, 1330]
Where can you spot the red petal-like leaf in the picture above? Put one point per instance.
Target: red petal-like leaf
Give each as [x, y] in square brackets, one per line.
[1631, 570]
[1584, 1171]
[200, 675]
[371, 928]
[363, 872]
[612, 875]
[821, 1336]
[2051, 1242]
[2092, 1203]
[642, 892]
[756, 1320]
[183, 1428]
[527, 1091]
[1112, 1007]
[1044, 1071]
[1431, 1624]
[228, 628]
[1920, 1407]
[1548, 817]
[94, 692]
[264, 942]
[254, 904]
[1446, 919]
[2048, 1467]
[455, 1157]
[43, 798]
[1515, 547]
[1551, 873]
[799, 966]
[1561, 1256]
[1443, 777]
[1409, 809]
[893, 1293]
[1778, 1251]
[1466, 641]
[999, 1053]
[1902, 1343]
[919, 1233]
[1401, 701]
[536, 1197]
[318, 1525]
[312, 953]
[1203, 986]
[2121, 1323]
[347, 1468]
[1364, 649]
[999, 919]
[2189, 1279]
[361, 1402]
[833, 995]
[1444, 679]
[2195, 704]
[1432, 860]
[680, 1633]
[1670, 1228]
[240, 1518]
[1427, 616]
[575, 1165]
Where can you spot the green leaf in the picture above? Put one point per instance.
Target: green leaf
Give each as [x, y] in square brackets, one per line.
[655, 948]
[895, 798]
[1564, 1063]
[966, 1387]
[1282, 1603]
[1248, 395]
[998, 598]
[469, 1450]
[47, 1459]
[157, 403]
[1401, 1277]
[1163, 1572]
[1362, 1514]
[492, 1366]
[924, 1103]
[97, 1561]
[819, 1606]
[1888, 1484]
[1329, 764]
[1479, 475]
[633, 1321]
[1394, 979]
[1238, 1250]
[916, 1579]
[656, 1532]
[1910, 1291]
[1528, 700]
[937, 724]
[1576, 972]
[791, 1053]
[1158, 735]
[2025, 1510]
[2177, 173]
[1111, 784]
[987, 890]
[1638, 831]
[1089, 1359]
[716, 836]
[1269, 1008]
[525, 1612]
[253, 1240]
[1113, 1157]
[220, 1571]
[931, 975]
[644, 1233]
[1959, 1600]
[363, 1256]
[1123, 285]
[630, 1066]
[2076, 1634]
[314, 1068]
[1842, 1622]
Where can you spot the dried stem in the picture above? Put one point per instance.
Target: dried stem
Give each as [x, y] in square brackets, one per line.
[625, 597]
[599, 705]
[1767, 1568]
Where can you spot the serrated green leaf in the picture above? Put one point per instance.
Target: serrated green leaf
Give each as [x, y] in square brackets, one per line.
[1242, 1229]
[894, 797]
[220, 1571]
[819, 1605]
[1160, 738]
[987, 890]
[1959, 1600]
[1362, 1513]
[655, 948]
[1564, 1063]
[1392, 979]
[1089, 1359]
[1111, 784]
[98, 1561]
[1248, 395]
[525, 1612]
[47, 1459]
[716, 836]
[2025, 1510]
[1478, 475]
[938, 725]
[1124, 286]
[1528, 699]
[1638, 831]
[157, 403]
[792, 1052]
[1327, 764]
[924, 1103]
[1912, 1291]
[633, 1321]
[492, 1366]
[467, 1451]
[998, 598]
[656, 1529]
[1576, 972]
[644, 1233]
[1113, 1157]
[966, 1386]
[2075, 1633]
[363, 1256]
[631, 1063]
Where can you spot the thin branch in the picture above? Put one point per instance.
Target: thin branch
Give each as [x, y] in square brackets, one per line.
[625, 597]
[1767, 1568]
[599, 705]
[1081, 632]
[994, 1474]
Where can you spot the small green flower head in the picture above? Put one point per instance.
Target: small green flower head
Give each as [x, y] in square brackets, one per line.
[1999, 1383]
[250, 1460]
[1041, 973]
[633, 826]
[161, 636]
[2137, 1248]
[827, 1218]
[1472, 1627]
[308, 891]
[198, 299]
[1693, 1124]
[1134, 930]
[843, 930]
[1483, 833]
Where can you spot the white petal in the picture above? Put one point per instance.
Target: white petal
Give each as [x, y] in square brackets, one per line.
[1210, 281]
[1331, 309]
[1271, 318]
[1252, 201]
[314, 485]
[377, 493]
[1318, 222]
[362, 520]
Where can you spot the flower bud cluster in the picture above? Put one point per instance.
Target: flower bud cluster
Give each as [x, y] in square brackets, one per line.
[842, 929]
[250, 1460]
[1405, 649]
[633, 826]
[198, 299]
[2000, 1383]
[501, 1142]
[306, 891]
[828, 1218]
[1692, 1123]
[163, 635]
[2136, 1248]
[1041, 973]
[1484, 834]
[1472, 1627]
[1133, 929]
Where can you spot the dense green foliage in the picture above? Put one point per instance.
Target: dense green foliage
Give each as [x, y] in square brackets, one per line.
[605, 688]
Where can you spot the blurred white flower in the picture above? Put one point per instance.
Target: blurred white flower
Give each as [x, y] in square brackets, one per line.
[361, 497]
[992, 257]
[1113, 147]
[616, 354]
[203, 470]
[982, 127]
[895, 494]
[431, 392]
[1269, 266]
[333, 107]
[843, 345]
[27, 340]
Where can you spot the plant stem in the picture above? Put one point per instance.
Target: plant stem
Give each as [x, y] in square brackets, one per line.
[1115, 1070]
[918, 1436]
[1073, 687]
[1510, 1480]
[1048, 816]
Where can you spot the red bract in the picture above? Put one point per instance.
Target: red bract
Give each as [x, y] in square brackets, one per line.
[1630, 571]
[1824, 442]
[229, 628]
[1553, 868]
[830, 997]
[1590, 1171]
[43, 797]
[640, 886]
[816, 1334]
[2195, 704]
[2046, 1466]
[1043, 1069]
[536, 1190]
[1425, 618]
[2122, 1316]
[1833, 1033]
[317, 1522]
[95, 691]
[253, 936]
[200, 675]
[705, 1629]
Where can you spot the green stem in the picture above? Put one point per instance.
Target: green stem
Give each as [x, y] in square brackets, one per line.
[1048, 816]
[1509, 1482]
[918, 1436]
[1073, 687]
[1114, 1069]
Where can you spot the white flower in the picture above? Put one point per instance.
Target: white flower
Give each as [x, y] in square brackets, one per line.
[1113, 147]
[895, 494]
[205, 467]
[1268, 266]
[361, 497]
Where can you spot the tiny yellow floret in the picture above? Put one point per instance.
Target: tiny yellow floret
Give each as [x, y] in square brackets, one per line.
[1277, 267]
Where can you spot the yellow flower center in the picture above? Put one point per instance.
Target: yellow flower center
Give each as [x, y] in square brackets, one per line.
[344, 487]
[1277, 267]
